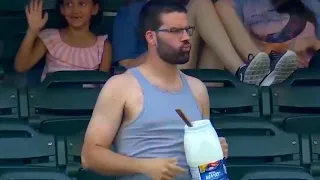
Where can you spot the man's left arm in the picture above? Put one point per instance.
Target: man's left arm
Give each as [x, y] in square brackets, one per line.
[201, 93]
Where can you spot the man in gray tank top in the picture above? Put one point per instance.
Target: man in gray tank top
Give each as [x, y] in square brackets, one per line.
[135, 111]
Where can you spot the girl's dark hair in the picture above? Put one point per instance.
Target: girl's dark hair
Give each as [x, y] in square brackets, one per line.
[294, 7]
[94, 21]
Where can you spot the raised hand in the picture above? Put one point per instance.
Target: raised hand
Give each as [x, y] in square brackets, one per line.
[35, 18]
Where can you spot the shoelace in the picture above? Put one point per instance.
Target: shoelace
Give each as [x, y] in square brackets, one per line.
[274, 55]
[250, 57]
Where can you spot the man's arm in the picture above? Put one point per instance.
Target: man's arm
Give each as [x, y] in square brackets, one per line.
[104, 124]
[200, 91]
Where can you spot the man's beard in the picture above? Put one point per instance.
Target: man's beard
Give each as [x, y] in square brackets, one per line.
[171, 55]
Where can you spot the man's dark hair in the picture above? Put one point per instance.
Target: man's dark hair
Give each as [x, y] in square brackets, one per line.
[150, 14]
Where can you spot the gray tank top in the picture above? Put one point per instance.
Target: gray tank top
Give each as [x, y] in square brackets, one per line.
[158, 132]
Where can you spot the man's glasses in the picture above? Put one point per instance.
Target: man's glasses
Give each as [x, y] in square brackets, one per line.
[178, 31]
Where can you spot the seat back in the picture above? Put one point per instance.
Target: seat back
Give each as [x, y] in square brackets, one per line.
[63, 111]
[276, 173]
[295, 107]
[257, 141]
[22, 145]
[75, 78]
[296, 98]
[234, 98]
[58, 104]
[1, 72]
[32, 174]
[9, 102]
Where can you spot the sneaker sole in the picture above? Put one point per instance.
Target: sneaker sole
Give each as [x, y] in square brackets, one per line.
[284, 68]
[257, 70]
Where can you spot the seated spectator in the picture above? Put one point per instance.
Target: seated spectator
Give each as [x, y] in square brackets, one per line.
[73, 47]
[213, 49]
[312, 43]
[129, 49]
[276, 26]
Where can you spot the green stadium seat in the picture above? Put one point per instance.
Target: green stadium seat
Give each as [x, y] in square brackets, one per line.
[64, 111]
[69, 78]
[276, 173]
[1, 73]
[234, 98]
[256, 145]
[31, 173]
[21, 145]
[9, 102]
[50, 104]
[295, 106]
[88, 175]
[6, 6]
[295, 98]
[260, 142]
[112, 5]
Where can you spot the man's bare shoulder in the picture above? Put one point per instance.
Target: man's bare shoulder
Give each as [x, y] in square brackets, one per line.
[196, 84]
[120, 83]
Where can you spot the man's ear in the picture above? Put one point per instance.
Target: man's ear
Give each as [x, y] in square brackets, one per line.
[151, 38]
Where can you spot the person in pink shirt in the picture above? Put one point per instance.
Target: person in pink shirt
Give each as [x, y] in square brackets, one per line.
[72, 48]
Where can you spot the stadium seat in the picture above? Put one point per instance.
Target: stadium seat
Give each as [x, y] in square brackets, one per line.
[234, 98]
[9, 102]
[278, 173]
[65, 111]
[77, 78]
[62, 112]
[295, 106]
[21, 145]
[1, 73]
[255, 143]
[112, 5]
[31, 173]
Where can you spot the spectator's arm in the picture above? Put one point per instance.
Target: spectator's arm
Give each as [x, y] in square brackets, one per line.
[31, 50]
[125, 39]
[302, 45]
[106, 57]
[129, 63]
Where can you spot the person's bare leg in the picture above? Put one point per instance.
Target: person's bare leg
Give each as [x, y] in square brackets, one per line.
[236, 31]
[195, 44]
[211, 30]
[209, 60]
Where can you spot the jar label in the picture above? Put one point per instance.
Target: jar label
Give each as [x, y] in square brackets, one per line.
[210, 171]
